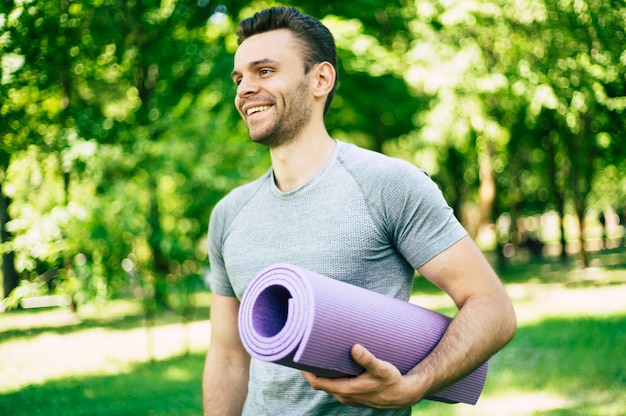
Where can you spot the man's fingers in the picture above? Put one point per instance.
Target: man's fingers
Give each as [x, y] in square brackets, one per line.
[374, 388]
[375, 369]
[312, 379]
[363, 357]
[309, 376]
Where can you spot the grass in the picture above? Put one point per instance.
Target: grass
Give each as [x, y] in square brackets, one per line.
[167, 387]
[567, 357]
[101, 361]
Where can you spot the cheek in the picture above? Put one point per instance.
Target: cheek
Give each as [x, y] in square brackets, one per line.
[238, 106]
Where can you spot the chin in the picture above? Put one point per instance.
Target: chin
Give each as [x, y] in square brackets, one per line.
[269, 141]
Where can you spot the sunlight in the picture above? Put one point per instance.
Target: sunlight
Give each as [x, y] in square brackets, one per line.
[50, 355]
[534, 303]
[515, 403]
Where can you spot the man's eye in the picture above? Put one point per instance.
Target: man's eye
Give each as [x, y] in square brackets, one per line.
[265, 71]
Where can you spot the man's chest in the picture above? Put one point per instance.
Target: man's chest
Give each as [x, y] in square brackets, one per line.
[336, 239]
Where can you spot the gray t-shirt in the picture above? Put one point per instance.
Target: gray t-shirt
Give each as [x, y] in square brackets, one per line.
[365, 218]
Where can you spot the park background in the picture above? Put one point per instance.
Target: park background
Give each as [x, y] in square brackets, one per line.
[119, 134]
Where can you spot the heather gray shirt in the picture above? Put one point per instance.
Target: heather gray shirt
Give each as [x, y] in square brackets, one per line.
[365, 219]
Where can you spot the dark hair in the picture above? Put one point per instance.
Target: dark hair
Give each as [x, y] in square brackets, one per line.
[318, 44]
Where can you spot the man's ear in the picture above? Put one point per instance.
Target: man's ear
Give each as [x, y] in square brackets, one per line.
[324, 79]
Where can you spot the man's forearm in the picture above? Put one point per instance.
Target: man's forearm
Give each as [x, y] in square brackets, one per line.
[478, 331]
[224, 388]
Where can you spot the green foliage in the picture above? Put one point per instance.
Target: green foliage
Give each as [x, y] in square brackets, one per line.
[118, 133]
[115, 174]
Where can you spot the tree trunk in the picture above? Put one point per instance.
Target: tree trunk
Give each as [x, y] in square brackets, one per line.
[159, 259]
[454, 167]
[581, 176]
[9, 274]
[557, 190]
[561, 206]
[487, 187]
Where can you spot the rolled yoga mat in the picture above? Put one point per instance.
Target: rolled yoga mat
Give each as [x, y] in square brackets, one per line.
[302, 319]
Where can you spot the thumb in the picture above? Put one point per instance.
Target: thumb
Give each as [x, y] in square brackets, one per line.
[362, 356]
[373, 366]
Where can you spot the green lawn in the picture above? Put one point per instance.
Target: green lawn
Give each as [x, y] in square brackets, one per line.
[568, 356]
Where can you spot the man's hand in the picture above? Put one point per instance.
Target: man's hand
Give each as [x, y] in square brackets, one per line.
[381, 386]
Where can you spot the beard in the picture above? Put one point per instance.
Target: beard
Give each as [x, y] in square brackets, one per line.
[289, 119]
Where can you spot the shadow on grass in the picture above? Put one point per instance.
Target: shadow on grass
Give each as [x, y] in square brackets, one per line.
[121, 322]
[579, 361]
[556, 270]
[162, 388]
[548, 270]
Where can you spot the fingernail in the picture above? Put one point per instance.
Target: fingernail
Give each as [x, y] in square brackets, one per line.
[358, 352]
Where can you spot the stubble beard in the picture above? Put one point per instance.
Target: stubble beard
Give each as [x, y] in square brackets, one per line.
[293, 115]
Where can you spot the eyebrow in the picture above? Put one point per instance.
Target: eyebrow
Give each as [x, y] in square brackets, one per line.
[255, 64]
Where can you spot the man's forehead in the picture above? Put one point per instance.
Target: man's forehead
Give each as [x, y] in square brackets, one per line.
[275, 45]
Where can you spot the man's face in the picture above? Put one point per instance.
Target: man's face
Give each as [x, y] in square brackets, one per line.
[273, 96]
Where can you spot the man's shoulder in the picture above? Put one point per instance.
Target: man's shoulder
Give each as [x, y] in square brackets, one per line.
[239, 196]
[376, 167]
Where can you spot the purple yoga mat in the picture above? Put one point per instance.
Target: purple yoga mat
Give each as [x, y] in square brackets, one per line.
[302, 319]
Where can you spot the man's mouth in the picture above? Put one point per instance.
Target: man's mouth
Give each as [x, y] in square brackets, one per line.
[258, 109]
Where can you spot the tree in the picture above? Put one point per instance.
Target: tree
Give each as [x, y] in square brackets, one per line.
[119, 133]
[528, 98]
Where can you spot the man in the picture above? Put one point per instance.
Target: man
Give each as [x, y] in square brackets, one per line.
[341, 211]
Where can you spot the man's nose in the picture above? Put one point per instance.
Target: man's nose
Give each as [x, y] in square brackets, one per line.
[247, 87]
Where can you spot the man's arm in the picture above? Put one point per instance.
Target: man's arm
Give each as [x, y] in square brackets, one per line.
[225, 380]
[484, 324]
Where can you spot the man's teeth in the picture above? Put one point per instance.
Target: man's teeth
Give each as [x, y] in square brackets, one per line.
[257, 109]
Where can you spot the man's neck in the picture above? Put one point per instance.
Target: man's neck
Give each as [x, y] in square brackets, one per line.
[297, 161]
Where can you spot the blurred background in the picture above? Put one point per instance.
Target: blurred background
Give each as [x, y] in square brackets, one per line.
[118, 136]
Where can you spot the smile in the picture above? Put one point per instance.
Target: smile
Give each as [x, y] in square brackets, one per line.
[258, 109]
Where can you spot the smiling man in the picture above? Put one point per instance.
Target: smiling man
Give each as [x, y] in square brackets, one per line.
[275, 113]
[341, 211]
